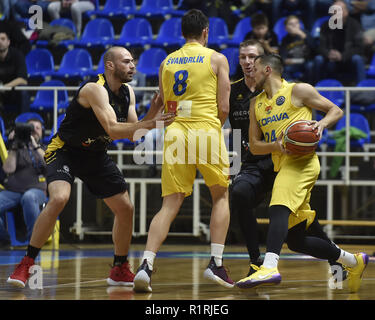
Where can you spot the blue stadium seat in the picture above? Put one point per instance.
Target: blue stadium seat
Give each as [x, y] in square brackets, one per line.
[115, 9]
[65, 22]
[75, 64]
[371, 70]
[99, 68]
[170, 34]
[364, 108]
[11, 226]
[136, 32]
[178, 12]
[150, 60]
[26, 116]
[40, 64]
[2, 129]
[359, 121]
[154, 8]
[279, 28]
[242, 28]
[315, 30]
[218, 34]
[44, 99]
[232, 56]
[98, 33]
[337, 97]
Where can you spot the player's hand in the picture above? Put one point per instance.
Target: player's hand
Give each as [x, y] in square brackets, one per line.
[317, 125]
[166, 118]
[156, 102]
[279, 143]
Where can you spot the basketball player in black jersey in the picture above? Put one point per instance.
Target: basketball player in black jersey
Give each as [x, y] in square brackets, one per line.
[255, 179]
[102, 110]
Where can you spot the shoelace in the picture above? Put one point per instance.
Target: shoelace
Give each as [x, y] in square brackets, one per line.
[255, 267]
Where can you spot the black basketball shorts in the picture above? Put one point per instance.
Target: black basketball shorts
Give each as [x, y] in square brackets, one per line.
[96, 169]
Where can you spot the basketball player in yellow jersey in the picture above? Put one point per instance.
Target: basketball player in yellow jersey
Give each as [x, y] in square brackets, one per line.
[280, 104]
[194, 83]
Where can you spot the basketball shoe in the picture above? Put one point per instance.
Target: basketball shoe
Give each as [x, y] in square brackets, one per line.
[218, 274]
[142, 280]
[21, 274]
[261, 277]
[121, 275]
[254, 267]
[355, 273]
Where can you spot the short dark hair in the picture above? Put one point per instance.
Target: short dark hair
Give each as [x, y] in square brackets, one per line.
[193, 23]
[6, 33]
[259, 19]
[253, 43]
[273, 60]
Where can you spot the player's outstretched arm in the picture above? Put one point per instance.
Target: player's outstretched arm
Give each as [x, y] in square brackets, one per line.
[95, 96]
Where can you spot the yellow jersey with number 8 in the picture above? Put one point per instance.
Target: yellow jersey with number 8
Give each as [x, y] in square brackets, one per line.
[190, 84]
[276, 114]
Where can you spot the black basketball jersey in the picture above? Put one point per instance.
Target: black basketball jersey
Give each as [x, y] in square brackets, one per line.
[239, 102]
[80, 127]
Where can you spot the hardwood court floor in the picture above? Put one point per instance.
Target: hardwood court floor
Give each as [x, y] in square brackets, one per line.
[80, 272]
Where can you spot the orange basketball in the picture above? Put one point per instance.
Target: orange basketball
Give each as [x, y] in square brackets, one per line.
[300, 138]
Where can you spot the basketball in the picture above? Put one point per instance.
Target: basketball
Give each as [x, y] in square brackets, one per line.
[300, 138]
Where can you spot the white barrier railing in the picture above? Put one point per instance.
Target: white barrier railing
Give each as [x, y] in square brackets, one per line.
[79, 230]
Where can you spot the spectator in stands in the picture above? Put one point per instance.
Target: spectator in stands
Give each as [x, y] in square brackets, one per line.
[249, 7]
[261, 31]
[304, 8]
[340, 49]
[365, 11]
[76, 8]
[21, 7]
[16, 36]
[25, 183]
[6, 7]
[296, 49]
[13, 72]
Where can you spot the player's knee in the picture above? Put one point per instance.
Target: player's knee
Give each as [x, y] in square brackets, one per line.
[125, 211]
[242, 192]
[58, 201]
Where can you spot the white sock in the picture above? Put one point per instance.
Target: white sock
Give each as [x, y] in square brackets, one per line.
[217, 252]
[149, 256]
[271, 260]
[347, 259]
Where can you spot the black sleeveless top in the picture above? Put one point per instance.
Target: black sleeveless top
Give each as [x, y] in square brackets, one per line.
[239, 102]
[80, 128]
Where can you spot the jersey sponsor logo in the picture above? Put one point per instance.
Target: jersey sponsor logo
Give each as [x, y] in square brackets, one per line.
[241, 114]
[280, 100]
[185, 60]
[88, 142]
[268, 109]
[240, 97]
[278, 117]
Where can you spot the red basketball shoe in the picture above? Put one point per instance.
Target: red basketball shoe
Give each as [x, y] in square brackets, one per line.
[21, 274]
[121, 275]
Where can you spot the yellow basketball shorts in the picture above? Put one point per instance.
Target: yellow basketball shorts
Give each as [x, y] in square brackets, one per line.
[190, 146]
[293, 185]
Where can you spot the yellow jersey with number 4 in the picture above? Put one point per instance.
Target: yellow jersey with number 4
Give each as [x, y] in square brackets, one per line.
[276, 114]
[190, 84]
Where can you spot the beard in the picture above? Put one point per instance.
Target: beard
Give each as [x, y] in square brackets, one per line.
[123, 77]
